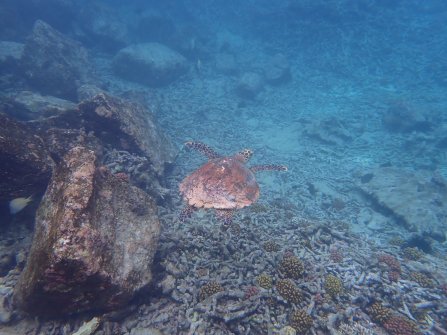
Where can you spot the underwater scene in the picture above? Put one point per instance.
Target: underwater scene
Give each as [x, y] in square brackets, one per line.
[223, 167]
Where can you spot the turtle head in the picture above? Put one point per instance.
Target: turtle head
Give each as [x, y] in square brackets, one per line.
[244, 155]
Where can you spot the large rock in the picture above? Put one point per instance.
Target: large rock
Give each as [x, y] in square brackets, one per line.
[26, 165]
[277, 71]
[127, 126]
[400, 117]
[94, 241]
[27, 105]
[55, 64]
[152, 64]
[418, 201]
[10, 55]
[249, 85]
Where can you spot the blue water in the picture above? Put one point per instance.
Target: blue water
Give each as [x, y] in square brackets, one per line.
[340, 91]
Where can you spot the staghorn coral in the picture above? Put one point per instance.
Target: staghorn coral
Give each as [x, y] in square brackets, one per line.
[300, 321]
[291, 267]
[413, 254]
[333, 285]
[422, 279]
[379, 313]
[288, 290]
[209, 289]
[353, 329]
[271, 246]
[399, 325]
[265, 281]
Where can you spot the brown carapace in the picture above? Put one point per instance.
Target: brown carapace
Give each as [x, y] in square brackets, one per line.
[223, 183]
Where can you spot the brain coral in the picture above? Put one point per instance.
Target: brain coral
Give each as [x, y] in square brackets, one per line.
[301, 321]
[291, 267]
[265, 281]
[333, 285]
[288, 290]
[209, 289]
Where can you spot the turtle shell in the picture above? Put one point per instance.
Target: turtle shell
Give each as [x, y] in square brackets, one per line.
[222, 183]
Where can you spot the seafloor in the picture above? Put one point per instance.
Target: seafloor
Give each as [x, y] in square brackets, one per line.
[326, 124]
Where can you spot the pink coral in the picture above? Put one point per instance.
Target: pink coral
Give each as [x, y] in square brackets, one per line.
[398, 325]
[391, 261]
[250, 292]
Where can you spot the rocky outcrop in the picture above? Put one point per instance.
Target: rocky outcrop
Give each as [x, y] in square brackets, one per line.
[127, 126]
[249, 85]
[94, 241]
[151, 64]
[418, 201]
[26, 165]
[330, 131]
[10, 55]
[55, 64]
[400, 117]
[226, 63]
[277, 71]
[27, 105]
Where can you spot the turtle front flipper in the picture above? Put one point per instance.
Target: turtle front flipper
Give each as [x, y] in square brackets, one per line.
[203, 149]
[269, 167]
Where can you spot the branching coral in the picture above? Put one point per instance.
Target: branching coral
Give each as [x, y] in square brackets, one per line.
[422, 279]
[333, 285]
[300, 321]
[391, 261]
[291, 267]
[288, 290]
[209, 289]
[413, 254]
[379, 313]
[393, 266]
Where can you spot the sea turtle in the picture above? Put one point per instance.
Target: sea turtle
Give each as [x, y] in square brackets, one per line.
[223, 183]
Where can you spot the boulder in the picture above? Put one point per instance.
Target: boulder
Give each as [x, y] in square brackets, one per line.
[94, 242]
[249, 85]
[27, 105]
[400, 117]
[103, 26]
[26, 165]
[331, 131]
[226, 63]
[10, 55]
[55, 64]
[127, 126]
[277, 71]
[151, 64]
[416, 200]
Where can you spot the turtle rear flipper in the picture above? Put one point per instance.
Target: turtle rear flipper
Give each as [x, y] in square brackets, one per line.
[268, 167]
[203, 149]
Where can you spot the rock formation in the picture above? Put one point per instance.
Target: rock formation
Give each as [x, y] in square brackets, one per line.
[55, 64]
[26, 165]
[94, 242]
[152, 64]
